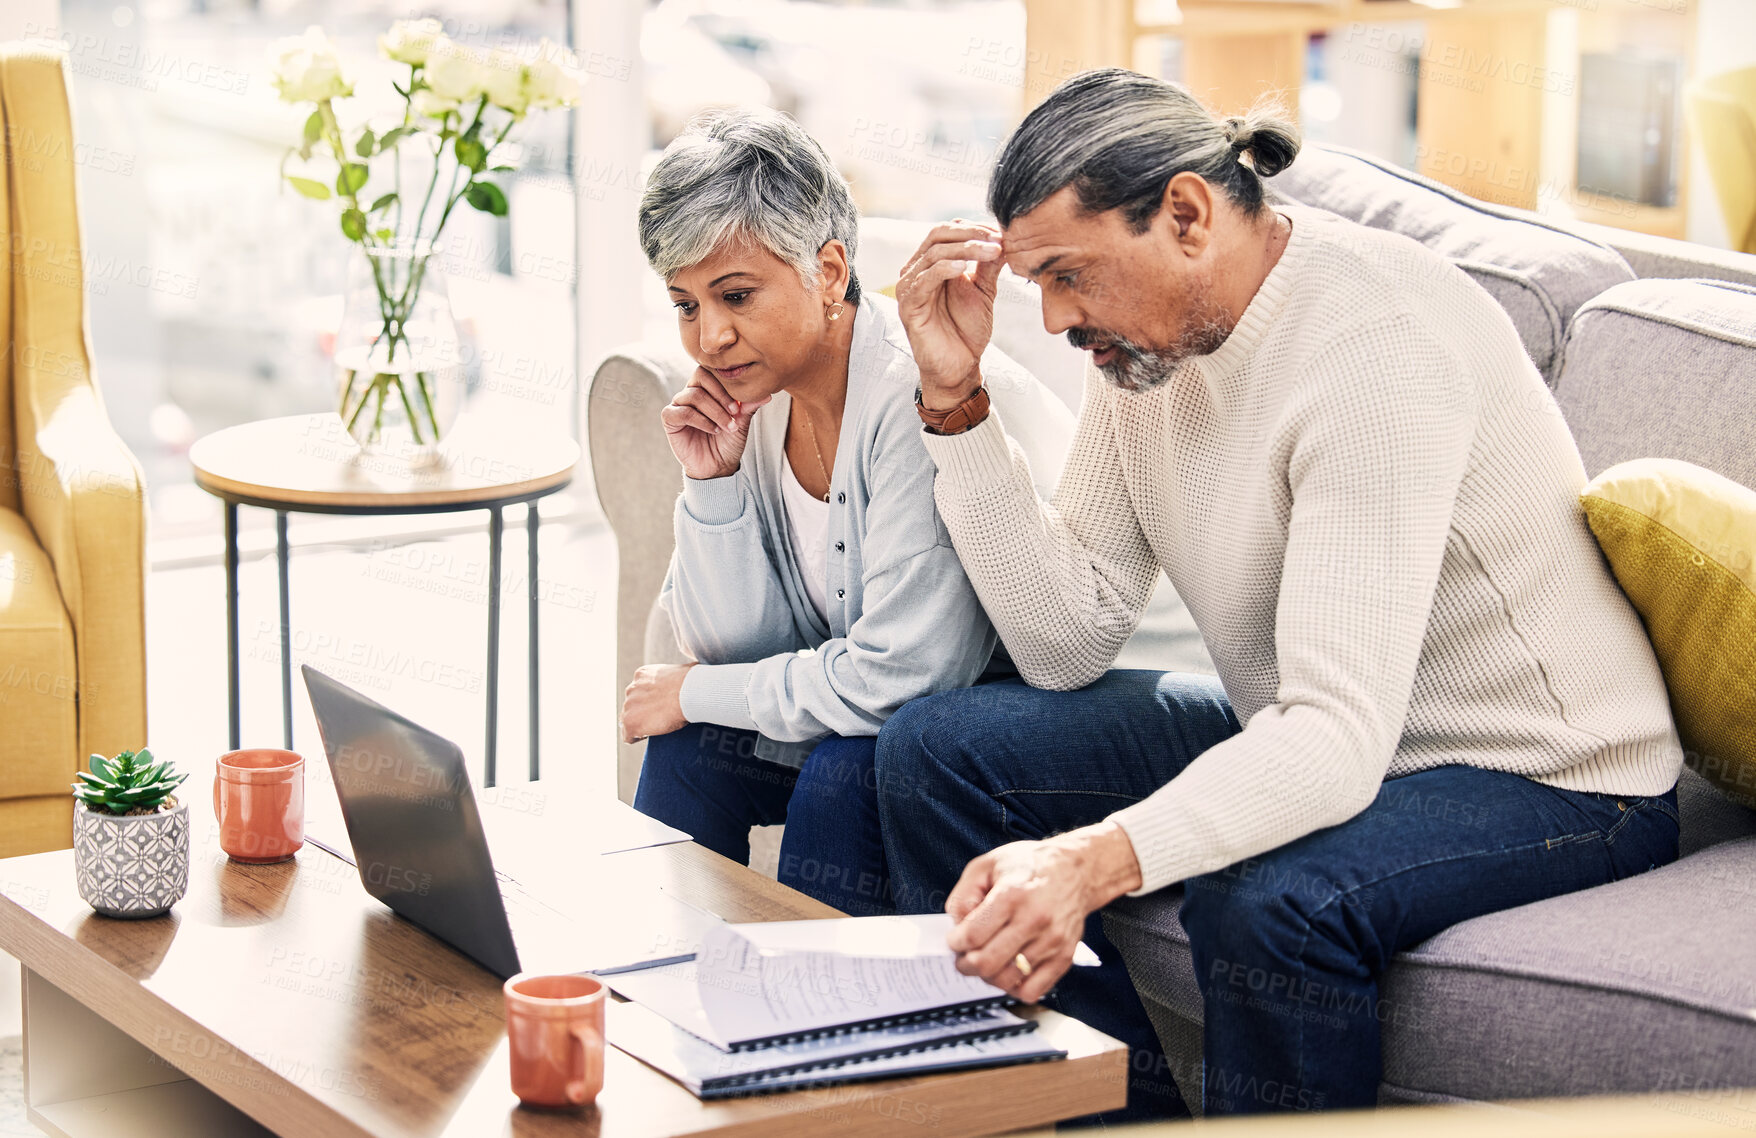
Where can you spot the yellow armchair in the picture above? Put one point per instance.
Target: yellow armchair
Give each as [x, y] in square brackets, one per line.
[72, 501]
[1722, 111]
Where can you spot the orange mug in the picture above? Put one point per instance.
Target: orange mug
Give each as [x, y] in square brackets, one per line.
[556, 1027]
[259, 802]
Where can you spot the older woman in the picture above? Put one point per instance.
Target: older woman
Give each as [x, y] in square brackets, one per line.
[812, 583]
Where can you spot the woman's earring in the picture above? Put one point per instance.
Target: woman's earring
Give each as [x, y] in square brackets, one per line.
[835, 310]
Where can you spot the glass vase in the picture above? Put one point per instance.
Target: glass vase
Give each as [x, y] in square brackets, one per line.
[397, 357]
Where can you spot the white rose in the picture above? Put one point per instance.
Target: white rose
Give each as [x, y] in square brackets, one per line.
[429, 105]
[454, 73]
[411, 41]
[306, 69]
[503, 81]
[554, 77]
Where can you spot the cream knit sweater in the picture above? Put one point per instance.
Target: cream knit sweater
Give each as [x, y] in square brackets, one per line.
[1368, 499]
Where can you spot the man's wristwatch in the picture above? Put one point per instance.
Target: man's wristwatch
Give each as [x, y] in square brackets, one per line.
[959, 418]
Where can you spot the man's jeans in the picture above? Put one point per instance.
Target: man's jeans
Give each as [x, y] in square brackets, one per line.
[714, 783]
[1287, 946]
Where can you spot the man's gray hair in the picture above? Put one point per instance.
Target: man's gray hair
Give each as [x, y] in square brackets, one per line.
[749, 173]
[1118, 137]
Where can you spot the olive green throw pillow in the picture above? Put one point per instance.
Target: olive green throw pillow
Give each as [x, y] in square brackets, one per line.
[1682, 543]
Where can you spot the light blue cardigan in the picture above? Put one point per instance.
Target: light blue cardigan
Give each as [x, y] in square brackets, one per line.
[904, 620]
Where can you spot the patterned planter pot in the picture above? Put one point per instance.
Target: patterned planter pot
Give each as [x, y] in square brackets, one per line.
[134, 865]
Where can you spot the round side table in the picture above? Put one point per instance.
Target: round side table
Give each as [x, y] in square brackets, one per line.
[309, 464]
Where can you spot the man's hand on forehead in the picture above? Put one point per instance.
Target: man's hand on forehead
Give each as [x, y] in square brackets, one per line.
[945, 296]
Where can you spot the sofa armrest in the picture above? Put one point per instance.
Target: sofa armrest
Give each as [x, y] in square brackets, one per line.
[638, 481]
[79, 487]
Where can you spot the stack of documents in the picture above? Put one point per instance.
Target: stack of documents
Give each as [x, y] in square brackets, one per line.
[802, 1003]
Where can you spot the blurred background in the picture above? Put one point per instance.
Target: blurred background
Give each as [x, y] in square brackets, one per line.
[214, 292]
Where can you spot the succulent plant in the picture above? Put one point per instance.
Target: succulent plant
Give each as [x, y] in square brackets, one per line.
[130, 782]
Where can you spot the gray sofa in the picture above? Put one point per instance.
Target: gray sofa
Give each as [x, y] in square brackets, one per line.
[1643, 985]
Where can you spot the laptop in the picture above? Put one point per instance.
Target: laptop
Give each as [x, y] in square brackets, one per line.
[421, 848]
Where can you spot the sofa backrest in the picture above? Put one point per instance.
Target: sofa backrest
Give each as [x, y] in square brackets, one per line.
[1539, 272]
[1664, 369]
[1667, 369]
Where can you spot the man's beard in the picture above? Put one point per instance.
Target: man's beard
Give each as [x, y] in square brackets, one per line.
[1138, 368]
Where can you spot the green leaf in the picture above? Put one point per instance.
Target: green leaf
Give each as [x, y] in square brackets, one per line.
[364, 147]
[487, 197]
[143, 755]
[471, 154]
[384, 235]
[100, 766]
[350, 178]
[353, 224]
[314, 127]
[382, 202]
[394, 136]
[314, 190]
[91, 781]
[503, 169]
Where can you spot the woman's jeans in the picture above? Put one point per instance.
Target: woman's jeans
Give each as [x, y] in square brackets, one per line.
[1288, 946]
[714, 783]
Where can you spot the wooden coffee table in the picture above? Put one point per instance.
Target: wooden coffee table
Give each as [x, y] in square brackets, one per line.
[283, 999]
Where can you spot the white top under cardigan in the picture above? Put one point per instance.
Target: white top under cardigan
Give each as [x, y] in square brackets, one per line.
[902, 618]
[808, 535]
[1369, 501]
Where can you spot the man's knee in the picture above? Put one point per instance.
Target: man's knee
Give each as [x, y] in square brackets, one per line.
[1245, 912]
[912, 742]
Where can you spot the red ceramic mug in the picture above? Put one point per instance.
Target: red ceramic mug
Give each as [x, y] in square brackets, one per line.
[556, 1027]
[259, 802]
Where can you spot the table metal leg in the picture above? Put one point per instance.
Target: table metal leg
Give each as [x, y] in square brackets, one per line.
[532, 519]
[286, 630]
[496, 532]
[232, 623]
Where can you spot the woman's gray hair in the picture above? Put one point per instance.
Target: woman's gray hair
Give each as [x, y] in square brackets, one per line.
[1118, 137]
[750, 173]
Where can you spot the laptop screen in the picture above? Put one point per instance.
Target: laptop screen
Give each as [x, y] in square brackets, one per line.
[412, 819]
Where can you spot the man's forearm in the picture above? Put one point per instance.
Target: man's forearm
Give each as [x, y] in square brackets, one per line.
[1106, 860]
[1062, 609]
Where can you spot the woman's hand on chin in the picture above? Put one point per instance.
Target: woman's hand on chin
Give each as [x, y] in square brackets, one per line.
[653, 703]
[707, 429]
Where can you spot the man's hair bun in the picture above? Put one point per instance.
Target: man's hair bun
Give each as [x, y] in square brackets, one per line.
[1271, 141]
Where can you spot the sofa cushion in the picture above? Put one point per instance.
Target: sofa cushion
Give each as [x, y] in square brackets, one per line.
[1592, 992]
[1666, 369]
[1708, 817]
[1682, 543]
[39, 747]
[1629, 987]
[1539, 273]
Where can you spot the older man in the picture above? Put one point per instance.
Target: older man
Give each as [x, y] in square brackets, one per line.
[1433, 702]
